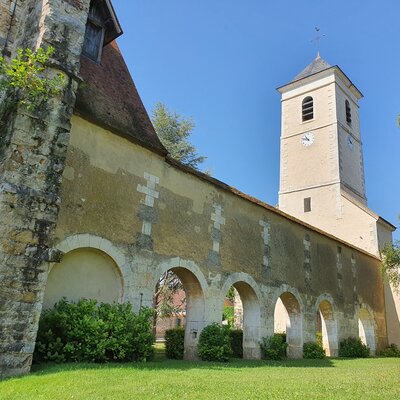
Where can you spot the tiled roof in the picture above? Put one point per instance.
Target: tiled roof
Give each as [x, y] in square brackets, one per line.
[108, 96]
[317, 65]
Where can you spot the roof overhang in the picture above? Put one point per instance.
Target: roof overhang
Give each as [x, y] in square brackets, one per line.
[322, 74]
[387, 224]
[114, 29]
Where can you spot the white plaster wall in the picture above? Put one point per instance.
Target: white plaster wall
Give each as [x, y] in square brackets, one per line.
[334, 213]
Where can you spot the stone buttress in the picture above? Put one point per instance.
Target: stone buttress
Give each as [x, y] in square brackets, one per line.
[33, 147]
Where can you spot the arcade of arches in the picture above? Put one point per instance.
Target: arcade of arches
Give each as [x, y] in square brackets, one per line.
[92, 273]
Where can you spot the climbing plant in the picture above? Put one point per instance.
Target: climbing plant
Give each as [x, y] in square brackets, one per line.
[23, 77]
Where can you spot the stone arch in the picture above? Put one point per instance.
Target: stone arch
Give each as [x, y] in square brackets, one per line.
[90, 268]
[250, 296]
[326, 317]
[195, 286]
[96, 242]
[367, 327]
[288, 307]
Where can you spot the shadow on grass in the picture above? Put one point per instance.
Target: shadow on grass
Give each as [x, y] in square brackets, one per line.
[181, 365]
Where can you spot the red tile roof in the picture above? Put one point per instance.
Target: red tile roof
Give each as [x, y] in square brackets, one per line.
[108, 96]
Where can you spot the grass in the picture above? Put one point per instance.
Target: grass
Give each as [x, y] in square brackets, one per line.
[374, 378]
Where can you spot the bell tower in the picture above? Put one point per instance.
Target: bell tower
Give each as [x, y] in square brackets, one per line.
[322, 171]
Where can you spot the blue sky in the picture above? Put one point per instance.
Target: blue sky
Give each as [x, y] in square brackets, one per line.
[220, 61]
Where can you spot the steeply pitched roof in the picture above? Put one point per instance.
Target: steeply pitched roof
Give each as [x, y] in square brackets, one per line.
[317, 65]
[108, 96]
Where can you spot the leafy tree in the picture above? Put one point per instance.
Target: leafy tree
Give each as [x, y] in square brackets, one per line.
[391, 263]
[167, 287]
[174, 131]
[23, 77]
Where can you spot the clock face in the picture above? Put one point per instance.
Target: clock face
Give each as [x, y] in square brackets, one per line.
[350, 142]
[307, 139]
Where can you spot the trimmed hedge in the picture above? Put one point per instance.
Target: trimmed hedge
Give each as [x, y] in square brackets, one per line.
[353, 347]
[91, 332]
[313, 350]
[215, 343]
[174, 343]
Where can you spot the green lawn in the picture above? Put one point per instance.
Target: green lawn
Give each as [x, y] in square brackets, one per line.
[162, 379]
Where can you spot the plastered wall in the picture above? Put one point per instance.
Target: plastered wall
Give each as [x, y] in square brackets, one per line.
[160, 216]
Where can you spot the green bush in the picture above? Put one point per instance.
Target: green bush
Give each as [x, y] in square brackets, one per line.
[353, 347]
[215, 343]
[237, 343]
[390, 351]
[86, 331]
[174, 343]
[228, 315]
[274, 347]
[313, 350]
[318, 338]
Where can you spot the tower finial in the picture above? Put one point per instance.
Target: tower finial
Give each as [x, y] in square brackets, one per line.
[317, 40]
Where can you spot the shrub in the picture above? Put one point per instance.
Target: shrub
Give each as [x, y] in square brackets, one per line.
[86, 331]
[318, 338]
[274, 347]
[283, 334]
[215, 343]
[174, 343]
[390, 351]
[228, 315]
[237, 343]
[353, 347]
[313, 350]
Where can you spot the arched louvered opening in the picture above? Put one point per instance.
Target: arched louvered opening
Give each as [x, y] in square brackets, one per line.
[308, 108]
[348, 112]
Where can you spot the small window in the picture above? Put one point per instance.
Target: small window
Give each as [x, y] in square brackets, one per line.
[307, 204]
[307, 109]
[94, 34]
[348, 112]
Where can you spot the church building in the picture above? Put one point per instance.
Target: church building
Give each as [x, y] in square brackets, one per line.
[93, 206]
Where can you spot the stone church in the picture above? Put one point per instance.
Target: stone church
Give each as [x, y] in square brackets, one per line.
[93, 206]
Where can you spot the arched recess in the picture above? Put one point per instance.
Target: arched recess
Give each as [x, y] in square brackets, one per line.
[84, 273]
[327, 325]
[288, 318]
[366, 328]
[250, 297]
[195, 285]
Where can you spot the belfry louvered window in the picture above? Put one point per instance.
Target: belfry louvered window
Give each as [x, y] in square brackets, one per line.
[307, 108]
[348, 112]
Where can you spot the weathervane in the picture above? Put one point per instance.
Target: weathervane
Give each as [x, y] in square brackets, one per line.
[318, 38]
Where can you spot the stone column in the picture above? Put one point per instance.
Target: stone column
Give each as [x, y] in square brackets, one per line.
[32, 155]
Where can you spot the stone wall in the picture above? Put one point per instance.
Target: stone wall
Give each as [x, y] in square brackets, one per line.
[32, 158]
[119, 197]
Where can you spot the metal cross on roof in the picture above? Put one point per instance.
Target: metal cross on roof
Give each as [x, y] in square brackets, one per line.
[318, 38]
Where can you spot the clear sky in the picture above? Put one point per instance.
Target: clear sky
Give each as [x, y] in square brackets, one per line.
[220, 61]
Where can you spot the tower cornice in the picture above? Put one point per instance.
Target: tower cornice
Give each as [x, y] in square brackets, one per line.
[335, 70]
